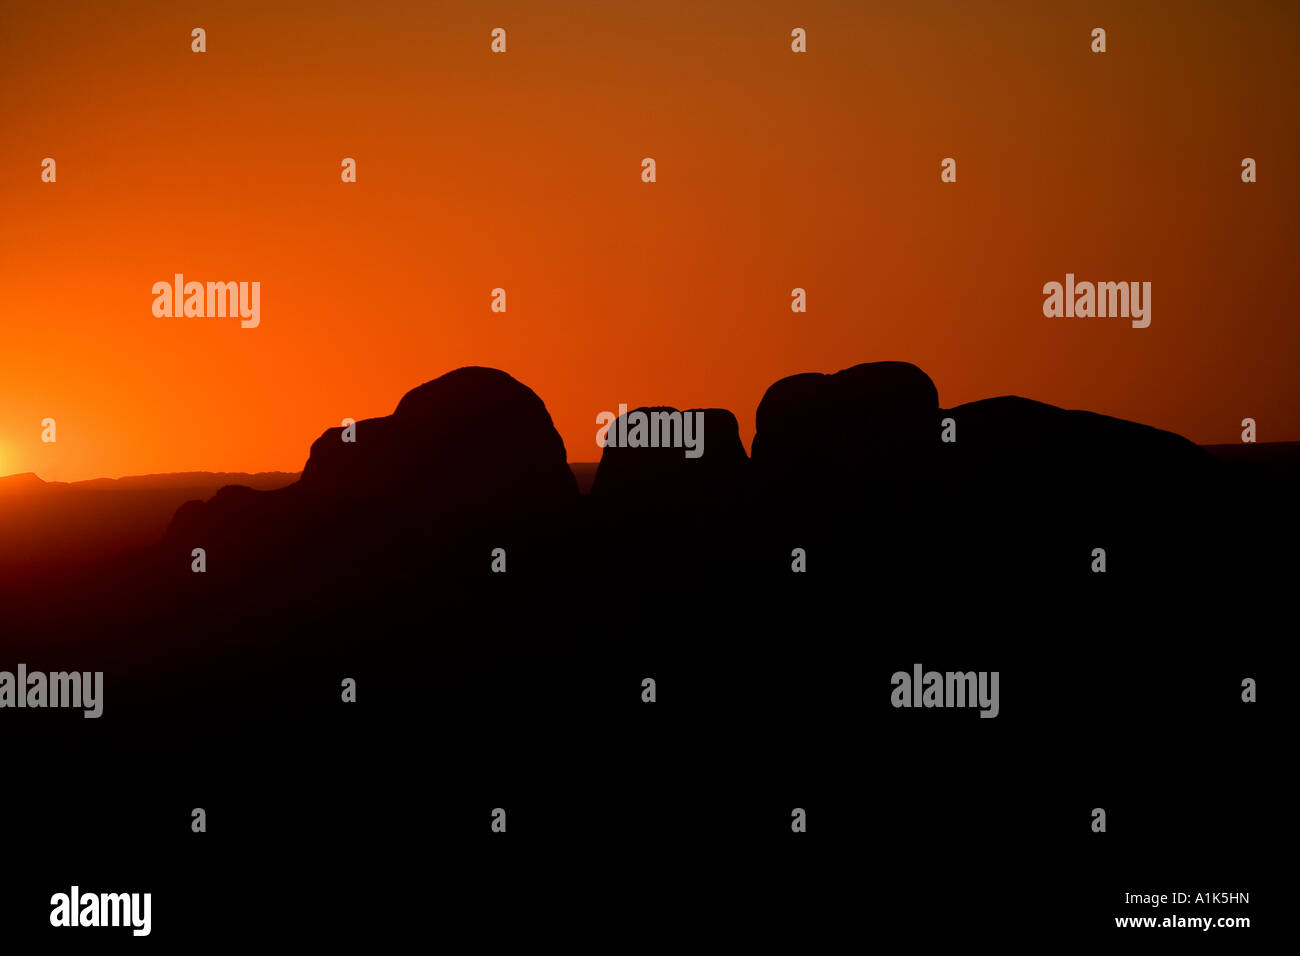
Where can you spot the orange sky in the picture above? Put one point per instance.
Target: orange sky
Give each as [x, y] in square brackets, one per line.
[522, 170]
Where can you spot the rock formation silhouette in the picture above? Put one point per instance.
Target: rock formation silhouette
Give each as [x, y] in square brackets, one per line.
[862, 422]
[469, 458]
[379, 559]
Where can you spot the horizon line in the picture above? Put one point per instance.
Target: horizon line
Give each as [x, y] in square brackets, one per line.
[298, 472]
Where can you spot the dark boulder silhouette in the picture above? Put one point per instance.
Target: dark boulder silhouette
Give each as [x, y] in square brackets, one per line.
[823, 434]
[472, 441]
[1036, 488]
[855, 464]
[655, 507]
[668, 474]
[1030, 454]
[841, 466]
[1032, 437]
[469, 458]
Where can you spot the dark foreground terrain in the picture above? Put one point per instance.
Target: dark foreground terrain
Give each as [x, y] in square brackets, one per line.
[523, 690]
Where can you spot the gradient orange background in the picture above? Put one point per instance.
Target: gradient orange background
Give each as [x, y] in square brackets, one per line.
[522, 170]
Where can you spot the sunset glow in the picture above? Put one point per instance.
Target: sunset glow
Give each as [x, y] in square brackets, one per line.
[522, 171]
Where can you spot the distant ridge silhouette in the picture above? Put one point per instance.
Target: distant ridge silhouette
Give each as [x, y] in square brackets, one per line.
[29, 481]
[23, 483]
[49, 527]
